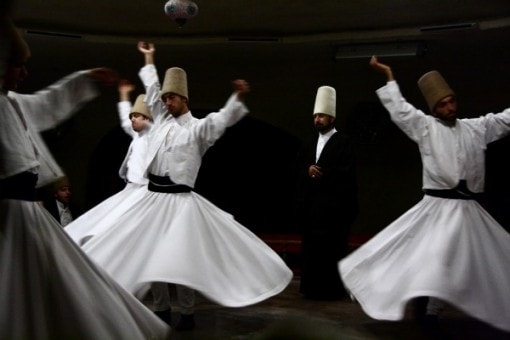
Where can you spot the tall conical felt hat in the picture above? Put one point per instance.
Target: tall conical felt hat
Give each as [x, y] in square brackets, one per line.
[175, 82]
[434, 88]
[140, 107]
[19, 50]
[325, 101]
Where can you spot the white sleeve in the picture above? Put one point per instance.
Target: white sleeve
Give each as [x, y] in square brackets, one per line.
[124, 109]
[56, 103]
[149, 77]
[409, 119]
[497, 125]
[213, 126]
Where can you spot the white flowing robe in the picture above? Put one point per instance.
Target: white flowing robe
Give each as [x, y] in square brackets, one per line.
[49, 289]
[42, 110]
[182, 238]
[450, 249]
[102, 216]
[132, 168]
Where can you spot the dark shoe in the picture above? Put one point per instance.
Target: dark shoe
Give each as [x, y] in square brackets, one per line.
[165, 315]
[186, 323]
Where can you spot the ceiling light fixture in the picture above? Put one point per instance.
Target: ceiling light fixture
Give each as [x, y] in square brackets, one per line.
[397, 49]
[181, 10]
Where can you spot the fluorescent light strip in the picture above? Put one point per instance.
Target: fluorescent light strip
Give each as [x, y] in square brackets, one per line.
[449, 27]
[53, 34]
[409, 49]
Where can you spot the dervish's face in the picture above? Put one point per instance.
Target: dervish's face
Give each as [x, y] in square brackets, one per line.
[446, 109]
[63, 194]
[15, 72]
[323, 123]
[175, 104]
[138, 121]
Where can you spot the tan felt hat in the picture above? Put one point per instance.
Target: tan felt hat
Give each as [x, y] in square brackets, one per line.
[434, 88]
[140, 107]
[175, 82]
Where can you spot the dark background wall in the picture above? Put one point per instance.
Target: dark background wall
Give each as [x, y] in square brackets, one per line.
[249, 172]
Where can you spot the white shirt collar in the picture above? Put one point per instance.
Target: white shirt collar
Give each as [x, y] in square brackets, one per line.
[323, 139]
[328, 134]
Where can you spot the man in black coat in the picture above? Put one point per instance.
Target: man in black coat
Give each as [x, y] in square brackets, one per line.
[58, 202]
[327, 202]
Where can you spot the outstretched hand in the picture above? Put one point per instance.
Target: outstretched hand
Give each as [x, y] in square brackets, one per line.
[382, 68]
[241, 87]
[148, 51]
[104, 75]
[126, 86]
[145, 47]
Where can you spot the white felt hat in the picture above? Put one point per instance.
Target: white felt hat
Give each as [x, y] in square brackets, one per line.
[325, 101]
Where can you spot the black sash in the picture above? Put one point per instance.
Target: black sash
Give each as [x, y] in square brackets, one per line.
[19, 187]
[166, 185]
[460, 192]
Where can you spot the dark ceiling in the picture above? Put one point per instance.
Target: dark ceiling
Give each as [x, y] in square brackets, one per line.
[283, 21]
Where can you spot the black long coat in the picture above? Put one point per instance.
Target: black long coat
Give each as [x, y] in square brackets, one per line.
[326, 209]
[51, 205]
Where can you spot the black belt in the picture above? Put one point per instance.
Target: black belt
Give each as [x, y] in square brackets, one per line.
[460, 192]
[165, 185]
[19, 187]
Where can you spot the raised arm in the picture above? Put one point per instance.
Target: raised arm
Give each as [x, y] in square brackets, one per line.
[149, 77]
[147, 49]
[213, 126]
[241, 87]
[51, 106]
[382, 68]
[125, 87]
[104, 76]
[409, 119]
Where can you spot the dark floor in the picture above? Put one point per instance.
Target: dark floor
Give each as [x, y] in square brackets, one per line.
[289, 316]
